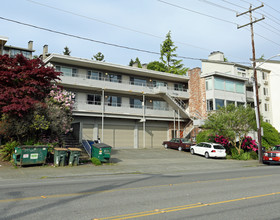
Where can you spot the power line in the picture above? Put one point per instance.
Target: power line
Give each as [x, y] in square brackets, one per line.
[270, 7]
[219, 6]
[92, 40]
[112, 24]
[268, 15]
[196, 12]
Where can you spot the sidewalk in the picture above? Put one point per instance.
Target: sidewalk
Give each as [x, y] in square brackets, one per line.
[130, 161]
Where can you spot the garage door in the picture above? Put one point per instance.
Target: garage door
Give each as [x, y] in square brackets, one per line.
[118, 136]
[154, 137]
[88, 132]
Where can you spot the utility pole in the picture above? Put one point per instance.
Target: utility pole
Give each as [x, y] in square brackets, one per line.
[257, 102]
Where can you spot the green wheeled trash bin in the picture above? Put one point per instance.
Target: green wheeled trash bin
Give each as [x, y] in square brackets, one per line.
[30, 154]
[60, 156]
[101, 151]
[74, 156]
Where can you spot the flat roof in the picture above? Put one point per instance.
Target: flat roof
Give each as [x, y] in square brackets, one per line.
[225, 75]
[92, 64]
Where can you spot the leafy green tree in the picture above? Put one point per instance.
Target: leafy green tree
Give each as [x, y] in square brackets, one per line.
[66, 51]
[270, 135]
[234, 123]
[157, 66]
[168, 57]
[99, 57]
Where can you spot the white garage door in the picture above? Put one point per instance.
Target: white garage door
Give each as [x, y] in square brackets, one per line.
[118, 136]
[154, 137]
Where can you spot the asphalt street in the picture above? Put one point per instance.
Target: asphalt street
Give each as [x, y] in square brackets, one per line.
[238, 190]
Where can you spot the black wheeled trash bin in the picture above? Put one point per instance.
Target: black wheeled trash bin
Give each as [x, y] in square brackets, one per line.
[30, 154]
[60, 156]
[74, 156]
[101, 151]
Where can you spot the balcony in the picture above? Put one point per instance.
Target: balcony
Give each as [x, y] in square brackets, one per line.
[112, 85]
[121, 111]
[249, 96]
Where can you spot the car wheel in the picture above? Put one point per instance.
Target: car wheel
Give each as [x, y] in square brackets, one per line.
[179, 148]
[192, 151]
[206, 155]
[165, 146]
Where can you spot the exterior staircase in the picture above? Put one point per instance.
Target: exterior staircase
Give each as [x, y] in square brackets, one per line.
[71, 142]
[176, 103]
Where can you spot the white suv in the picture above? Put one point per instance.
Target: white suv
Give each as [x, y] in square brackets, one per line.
[209, 150]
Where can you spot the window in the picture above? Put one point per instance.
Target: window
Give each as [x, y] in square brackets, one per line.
[160, 105]
[157, 83]
[266, 107]
[113, 77]
[210, 105]
[265, 91]
[240, 103]
[229, 85]
[240, 88]
[94, 99]
[67, 71]
[178, 87]
[113, 101]
[219, 103]
[208, 84]
[219, 84]
[137, 81]
[135, 103]
[264, 76]
[92, 74]
[230, 102]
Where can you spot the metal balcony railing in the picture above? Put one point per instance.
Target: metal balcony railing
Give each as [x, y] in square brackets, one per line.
[127, 82]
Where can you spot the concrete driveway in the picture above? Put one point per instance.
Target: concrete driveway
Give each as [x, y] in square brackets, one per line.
[131, 161]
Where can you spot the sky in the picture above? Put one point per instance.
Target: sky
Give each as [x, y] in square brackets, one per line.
[198, 27]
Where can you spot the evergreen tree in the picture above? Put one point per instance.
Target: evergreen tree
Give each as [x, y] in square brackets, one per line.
[66, 51]
[131, 62]
[99, 57]
[137, 61]
[168, 57]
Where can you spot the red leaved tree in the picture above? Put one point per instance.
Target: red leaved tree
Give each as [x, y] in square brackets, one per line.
[23, 84]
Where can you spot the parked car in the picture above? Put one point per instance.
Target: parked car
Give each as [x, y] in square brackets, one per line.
[272, 156]
[178, 143]
[209, 150]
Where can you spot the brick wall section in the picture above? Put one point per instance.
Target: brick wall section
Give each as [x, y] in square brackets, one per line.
[197, 90]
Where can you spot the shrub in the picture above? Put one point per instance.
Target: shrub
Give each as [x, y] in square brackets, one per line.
[235, 155]
[254, 155]
[245, 156]
[96, 161]
[8, 150]
[203, 136]
[249, 144]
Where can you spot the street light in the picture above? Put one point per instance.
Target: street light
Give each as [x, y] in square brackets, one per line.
[256, 104]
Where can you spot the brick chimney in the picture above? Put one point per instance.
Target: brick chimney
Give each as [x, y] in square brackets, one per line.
[197, 101]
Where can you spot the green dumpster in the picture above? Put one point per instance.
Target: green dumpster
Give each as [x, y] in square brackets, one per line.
[30, 154]
[60, 156]
[101, 151]
[74, 156]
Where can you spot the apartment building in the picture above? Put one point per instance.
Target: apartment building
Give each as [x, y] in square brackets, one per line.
[272, 80]
[227, 82]
[126, 107]
[12, 51]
